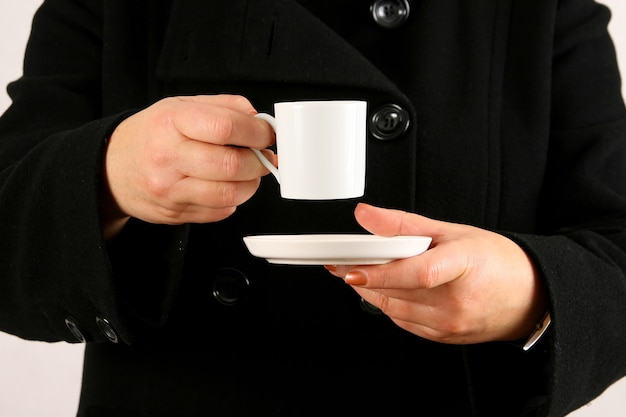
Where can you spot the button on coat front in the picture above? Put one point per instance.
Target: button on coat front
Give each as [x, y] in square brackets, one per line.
[390, 14]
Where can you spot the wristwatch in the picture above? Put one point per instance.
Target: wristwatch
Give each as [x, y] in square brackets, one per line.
[540, 330]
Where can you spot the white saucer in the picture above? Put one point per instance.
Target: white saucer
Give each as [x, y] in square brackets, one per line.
[342, 249]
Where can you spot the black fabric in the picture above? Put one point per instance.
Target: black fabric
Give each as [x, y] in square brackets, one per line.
[517, 125]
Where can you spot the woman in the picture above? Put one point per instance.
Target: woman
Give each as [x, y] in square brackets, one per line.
[497, 128]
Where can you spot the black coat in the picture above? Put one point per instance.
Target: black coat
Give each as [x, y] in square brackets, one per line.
[516, 125]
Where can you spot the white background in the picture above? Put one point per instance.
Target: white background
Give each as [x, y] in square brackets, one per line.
[42, 380]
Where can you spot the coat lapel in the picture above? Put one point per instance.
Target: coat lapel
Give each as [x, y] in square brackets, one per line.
[260, 40]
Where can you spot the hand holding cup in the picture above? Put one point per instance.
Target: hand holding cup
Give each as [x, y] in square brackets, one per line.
[183, 160]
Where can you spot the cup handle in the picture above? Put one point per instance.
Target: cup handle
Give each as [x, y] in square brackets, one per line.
[266, 163]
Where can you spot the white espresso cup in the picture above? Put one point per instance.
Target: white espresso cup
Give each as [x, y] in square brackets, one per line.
[320, 147]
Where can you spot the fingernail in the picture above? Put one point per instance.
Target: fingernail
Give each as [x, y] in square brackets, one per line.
[355, 278]
[331, 268]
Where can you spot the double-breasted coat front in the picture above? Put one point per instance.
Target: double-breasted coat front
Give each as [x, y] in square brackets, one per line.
[503, 114]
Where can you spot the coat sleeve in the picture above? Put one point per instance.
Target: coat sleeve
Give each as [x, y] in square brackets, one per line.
[583, 258]
[56, 267]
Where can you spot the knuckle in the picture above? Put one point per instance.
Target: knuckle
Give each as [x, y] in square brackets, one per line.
[231, 163]
[222, 195]
[165, 114]
[457, 324]
[238, 101]
[171, 215]
[384, 305]
[215, 215]
[157, 187]
[454, 329]
[229, 195]
[160, 158]
[386, 279]
[429, 277]
[221, 127]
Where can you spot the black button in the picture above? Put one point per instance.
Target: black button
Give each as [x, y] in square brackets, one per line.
[107, 330]
[390, 14]
[370, 308]
[72, 324]
[389, 121]
[231, 287]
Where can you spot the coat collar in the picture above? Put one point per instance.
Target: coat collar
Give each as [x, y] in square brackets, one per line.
[260, 40]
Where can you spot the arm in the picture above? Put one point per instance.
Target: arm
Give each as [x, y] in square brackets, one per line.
[478, 286]
[94, 206]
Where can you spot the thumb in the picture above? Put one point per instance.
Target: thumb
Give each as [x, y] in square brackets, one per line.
[392, 222]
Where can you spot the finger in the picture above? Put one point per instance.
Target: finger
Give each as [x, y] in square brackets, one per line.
[437, 335]
[231, 101]
[169, 212]
[194, 214]
[435, 267]
[425, 315]
[391, 222]
[219, 163]
[207, 122]
[431, 319]
[212, 194]
[196, 201]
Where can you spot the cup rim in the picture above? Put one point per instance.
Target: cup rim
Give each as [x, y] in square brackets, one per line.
[312, 102]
